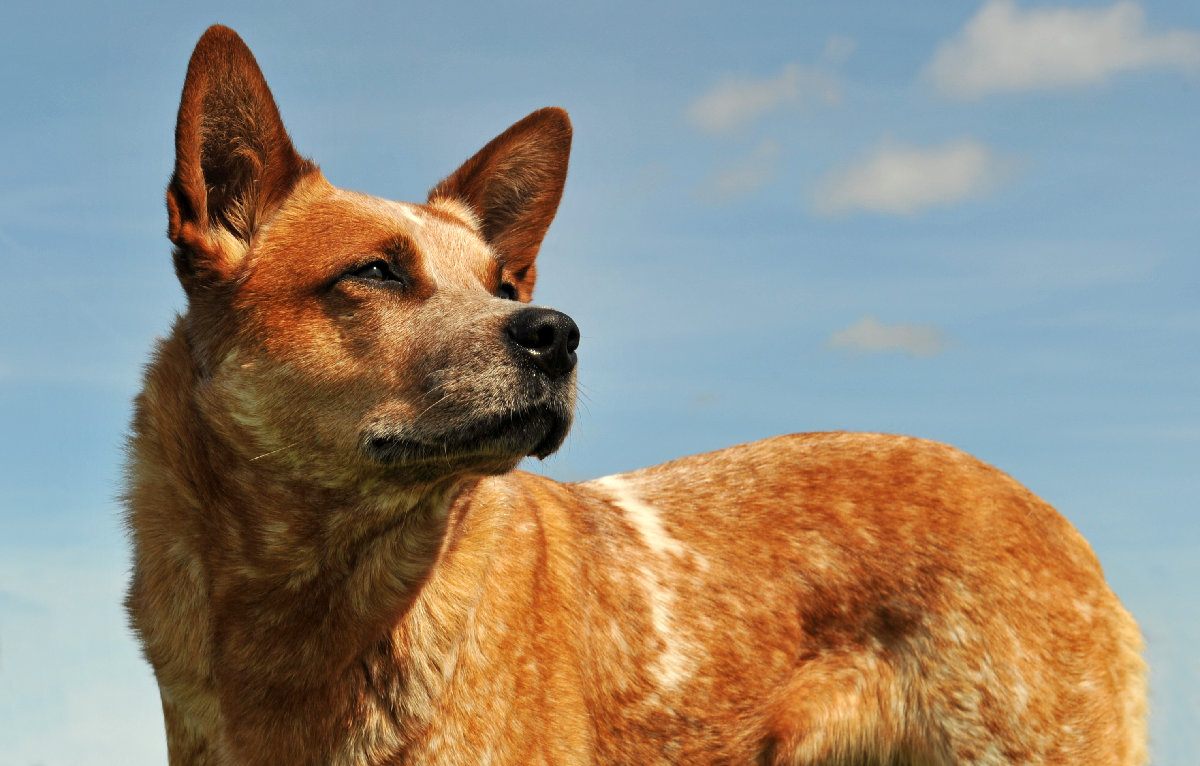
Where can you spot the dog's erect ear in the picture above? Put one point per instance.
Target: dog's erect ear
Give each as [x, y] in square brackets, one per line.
[234, 162]
[513, 186]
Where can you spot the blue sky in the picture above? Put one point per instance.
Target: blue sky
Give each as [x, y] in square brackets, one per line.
[976, 222]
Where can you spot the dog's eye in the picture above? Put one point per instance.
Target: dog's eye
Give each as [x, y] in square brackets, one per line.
[507, 291]
[376, 271]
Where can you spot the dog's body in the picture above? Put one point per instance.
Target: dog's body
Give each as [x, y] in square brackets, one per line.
[336, 564]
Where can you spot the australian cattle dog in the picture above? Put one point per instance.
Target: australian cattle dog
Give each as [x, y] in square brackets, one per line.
[336, 562]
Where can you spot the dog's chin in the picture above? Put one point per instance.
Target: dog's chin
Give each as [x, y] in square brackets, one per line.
[487, 445]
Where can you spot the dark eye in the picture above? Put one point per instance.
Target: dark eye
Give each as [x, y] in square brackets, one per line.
[371, 271]
[507, 291]
[375, 271]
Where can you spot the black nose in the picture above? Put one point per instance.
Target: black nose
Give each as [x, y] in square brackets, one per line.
[547, 337]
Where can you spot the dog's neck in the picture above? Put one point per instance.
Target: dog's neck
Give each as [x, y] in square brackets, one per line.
[350, 559]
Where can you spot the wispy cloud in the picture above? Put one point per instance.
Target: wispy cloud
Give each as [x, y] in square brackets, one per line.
[737, 102]
[745, 176]
[872, 336]
[903, 180]
[1005, 48]
[838, 49]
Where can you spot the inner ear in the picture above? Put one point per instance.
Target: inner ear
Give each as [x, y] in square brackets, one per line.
[522, 281]
[239, 146]
[513, 186]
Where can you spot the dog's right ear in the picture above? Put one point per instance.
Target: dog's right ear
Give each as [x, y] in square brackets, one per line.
[234, 162]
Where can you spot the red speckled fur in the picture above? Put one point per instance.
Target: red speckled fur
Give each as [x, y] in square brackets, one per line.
[335, 562]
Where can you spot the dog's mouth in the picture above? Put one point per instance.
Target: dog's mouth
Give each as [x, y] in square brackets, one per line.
[536, 432]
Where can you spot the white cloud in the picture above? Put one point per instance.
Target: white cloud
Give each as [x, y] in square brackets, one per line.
[838, 49]
[746, 176]
[1004, 48]
[870, 335]
[737, 102]
[903, 180]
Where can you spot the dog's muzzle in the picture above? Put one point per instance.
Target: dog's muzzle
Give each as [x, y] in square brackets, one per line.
[538, 396]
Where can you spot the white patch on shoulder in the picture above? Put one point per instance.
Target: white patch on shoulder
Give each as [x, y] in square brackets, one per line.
[676, 663]
[643, 516]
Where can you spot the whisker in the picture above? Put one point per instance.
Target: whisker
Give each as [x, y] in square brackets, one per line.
[423, 412]
[272, 452]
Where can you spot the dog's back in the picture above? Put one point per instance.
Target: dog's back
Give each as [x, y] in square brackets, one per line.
[335, 562]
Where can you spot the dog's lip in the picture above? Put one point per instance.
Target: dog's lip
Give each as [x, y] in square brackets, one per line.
[535, 431]
[555, 435]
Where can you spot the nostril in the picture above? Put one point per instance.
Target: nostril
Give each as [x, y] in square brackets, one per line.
[547, 336]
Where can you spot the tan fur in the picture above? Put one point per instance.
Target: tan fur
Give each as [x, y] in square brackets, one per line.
[335, 562]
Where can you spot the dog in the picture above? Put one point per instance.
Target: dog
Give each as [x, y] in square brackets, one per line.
[336, 562]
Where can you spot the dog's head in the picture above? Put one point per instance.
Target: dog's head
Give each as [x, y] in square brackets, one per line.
[350, 333]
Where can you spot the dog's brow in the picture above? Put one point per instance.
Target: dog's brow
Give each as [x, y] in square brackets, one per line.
[397, 247]
[411, 216]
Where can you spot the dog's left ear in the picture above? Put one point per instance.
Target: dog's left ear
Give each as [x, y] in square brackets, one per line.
[513, 186]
